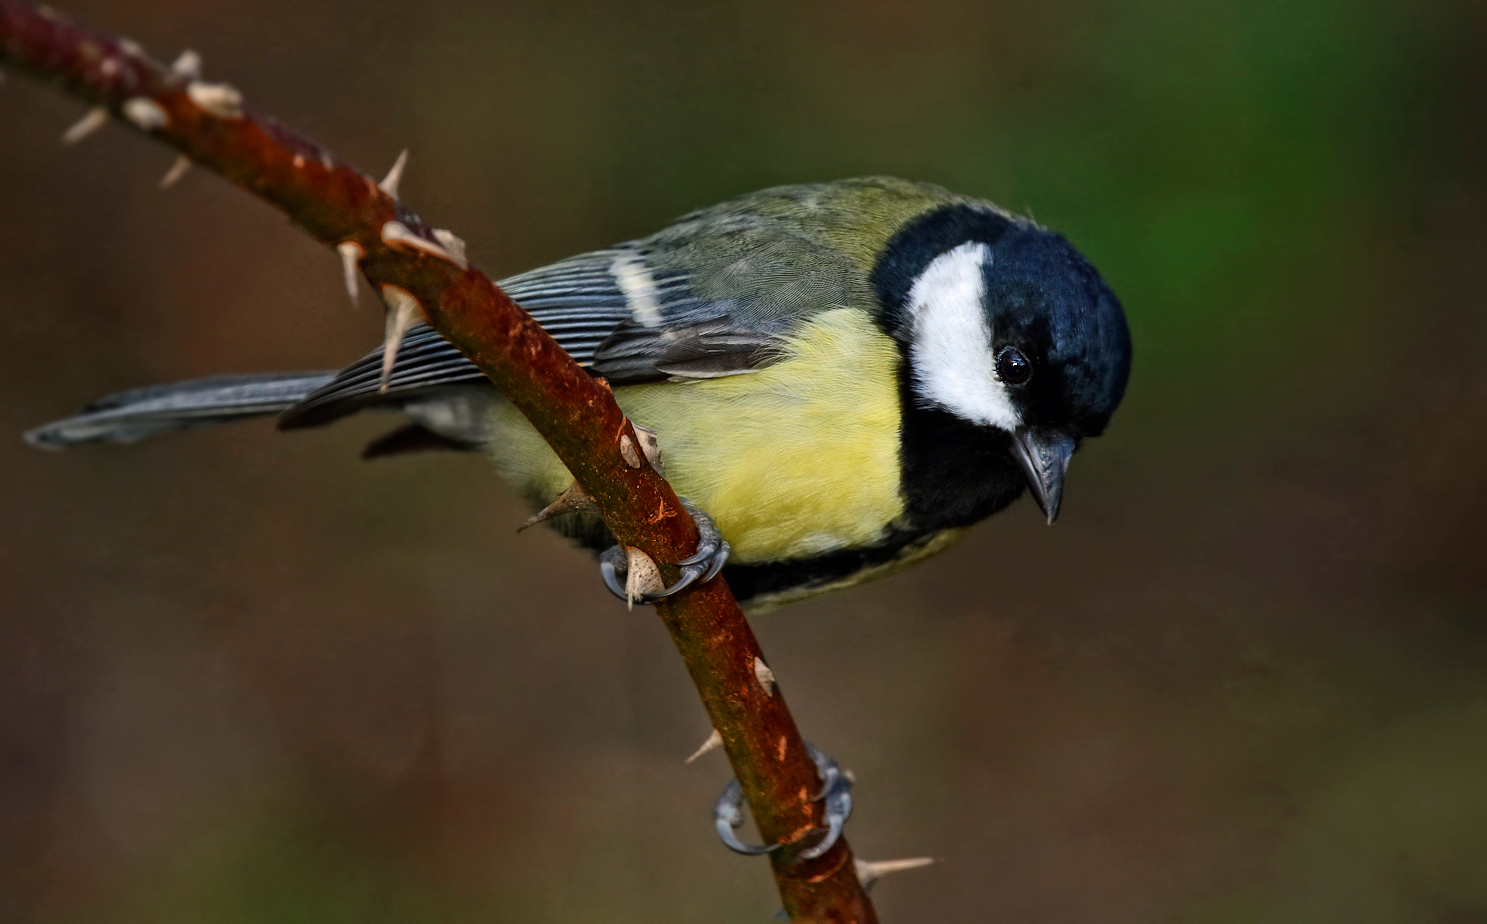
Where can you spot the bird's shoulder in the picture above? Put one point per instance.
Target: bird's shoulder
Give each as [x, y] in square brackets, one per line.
[853, 219]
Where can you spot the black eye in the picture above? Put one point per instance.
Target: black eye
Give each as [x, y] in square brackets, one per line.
[1012, 367]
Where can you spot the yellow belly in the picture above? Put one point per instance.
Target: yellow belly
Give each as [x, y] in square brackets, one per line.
[793, 460]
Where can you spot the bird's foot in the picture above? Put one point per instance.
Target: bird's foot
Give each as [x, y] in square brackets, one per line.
[698, 568]
[836, 792]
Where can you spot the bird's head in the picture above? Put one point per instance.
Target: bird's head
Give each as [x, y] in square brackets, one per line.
[1006, 326]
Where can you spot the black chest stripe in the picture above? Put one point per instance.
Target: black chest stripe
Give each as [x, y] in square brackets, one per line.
[749, 582]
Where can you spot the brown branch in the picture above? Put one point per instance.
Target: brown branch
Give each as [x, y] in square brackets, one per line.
[574, 412]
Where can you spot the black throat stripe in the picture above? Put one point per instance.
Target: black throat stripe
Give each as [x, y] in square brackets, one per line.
[952, 472]
[751, 582]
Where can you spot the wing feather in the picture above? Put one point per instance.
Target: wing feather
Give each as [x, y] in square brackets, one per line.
[631, 313]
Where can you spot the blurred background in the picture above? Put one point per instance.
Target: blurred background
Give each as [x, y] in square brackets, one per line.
[245, 677]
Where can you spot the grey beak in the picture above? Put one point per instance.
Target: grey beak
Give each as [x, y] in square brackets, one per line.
[1045, 458]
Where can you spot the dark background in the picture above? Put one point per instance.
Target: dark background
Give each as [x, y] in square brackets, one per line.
[245, 677]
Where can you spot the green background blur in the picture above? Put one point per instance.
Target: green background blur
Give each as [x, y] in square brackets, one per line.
[246, 678]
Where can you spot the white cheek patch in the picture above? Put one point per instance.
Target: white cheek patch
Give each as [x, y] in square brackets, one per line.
[951, 349]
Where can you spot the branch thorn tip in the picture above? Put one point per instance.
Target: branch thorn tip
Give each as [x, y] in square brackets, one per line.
[869, 872]
[394, 176]
[176, 171]
[713, 742]
[188, 65]
[573, 500]
[350, 252]
[96, 118]
[402, 309]
[454, 244]
[395, 232]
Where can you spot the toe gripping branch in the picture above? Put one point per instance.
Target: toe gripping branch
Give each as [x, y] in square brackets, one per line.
[698, 568]
[836, 792]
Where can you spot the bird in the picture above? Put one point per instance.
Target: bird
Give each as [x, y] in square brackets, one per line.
[843, 378]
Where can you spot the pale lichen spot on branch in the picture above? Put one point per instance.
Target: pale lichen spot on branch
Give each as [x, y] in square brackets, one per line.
[219, 99]
[145, 113]
[765, 676]
[628, 452]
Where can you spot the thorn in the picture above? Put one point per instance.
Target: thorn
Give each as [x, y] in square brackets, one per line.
[394, 176]
[573, 500]
[402, 309]
[219, 99]
[176, 171]
[713, 742]
[643, 576]
[765, 676]
[145, 113]
[96, 118]
[350, 252]
[395, 232]
[188, 65]
[869, 872]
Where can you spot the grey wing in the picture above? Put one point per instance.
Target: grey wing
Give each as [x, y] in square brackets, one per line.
[576, 300]
[751, 281]
[693, 302]
[589, 304]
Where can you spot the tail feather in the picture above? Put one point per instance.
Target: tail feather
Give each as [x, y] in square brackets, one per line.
[133, 415]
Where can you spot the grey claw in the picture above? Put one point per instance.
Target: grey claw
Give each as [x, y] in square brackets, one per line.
[688, 578]
[719, 560]
[728, 814]
[700, 567]
[612, 564]
[836, 791]
[827, 769]
[708, 536]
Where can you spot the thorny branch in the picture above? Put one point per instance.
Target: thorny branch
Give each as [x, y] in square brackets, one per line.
[417, 268]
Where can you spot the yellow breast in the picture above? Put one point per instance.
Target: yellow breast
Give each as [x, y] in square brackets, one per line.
[793, 460]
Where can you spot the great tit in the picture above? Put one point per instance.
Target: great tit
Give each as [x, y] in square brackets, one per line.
[844, 375]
